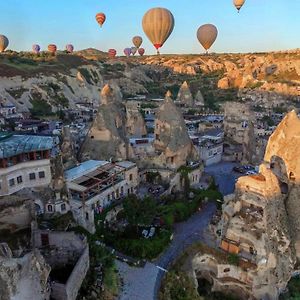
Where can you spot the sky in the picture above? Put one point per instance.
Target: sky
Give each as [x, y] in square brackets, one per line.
[262, 25]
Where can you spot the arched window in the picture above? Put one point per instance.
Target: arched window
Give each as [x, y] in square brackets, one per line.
[50, 208]
[63, 207]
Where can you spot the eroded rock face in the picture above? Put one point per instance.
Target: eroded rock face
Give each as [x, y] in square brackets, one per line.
[107, 137]
[68, 149]
[261, 220]
[239, 129]
[185, 96]
[199, 100]
[171, 136]
[136, 126]
[24, 278]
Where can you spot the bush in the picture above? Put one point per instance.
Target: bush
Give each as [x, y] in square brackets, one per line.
[233, 259]
[40, 108]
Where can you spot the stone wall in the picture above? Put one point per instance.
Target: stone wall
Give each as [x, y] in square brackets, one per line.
[15, 213]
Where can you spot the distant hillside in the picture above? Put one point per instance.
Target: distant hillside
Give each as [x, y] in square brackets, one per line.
[92, 53]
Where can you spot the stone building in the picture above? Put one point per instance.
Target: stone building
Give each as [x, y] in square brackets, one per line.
[172, 142]
[260, 221]
[108, 137]
[239, 142]
[93, 185]
[67, 254]
[25, 162]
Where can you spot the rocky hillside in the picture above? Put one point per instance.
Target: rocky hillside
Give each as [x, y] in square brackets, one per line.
[52, 82]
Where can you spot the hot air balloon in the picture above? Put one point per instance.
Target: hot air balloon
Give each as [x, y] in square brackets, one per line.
[137, 41]
[207, 34]
[70, 48]
[100, 18]
[141, 51]
[133, 50]
[127, 51]
[112, 53]
[52, 48]
[158, 24]
[3, 42]
[36, 49]
[238, 4]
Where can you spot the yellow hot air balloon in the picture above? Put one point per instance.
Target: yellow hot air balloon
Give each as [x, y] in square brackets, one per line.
[207, 34]
[137, 41]
[238, 4]
[158, 24]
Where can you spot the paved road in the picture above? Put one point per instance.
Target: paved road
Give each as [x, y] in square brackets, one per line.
[224, 176]
[144, 283]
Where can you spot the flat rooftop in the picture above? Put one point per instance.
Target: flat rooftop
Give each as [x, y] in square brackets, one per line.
[14, 144]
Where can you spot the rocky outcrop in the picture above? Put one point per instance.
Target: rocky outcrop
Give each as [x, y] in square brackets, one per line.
[260, 221]
[185, 96]
[68, 149]
[199, 100]
[239, 129]
[135, 124]
[24, 278]
[107, 137]
[171, 136]
[59, 90]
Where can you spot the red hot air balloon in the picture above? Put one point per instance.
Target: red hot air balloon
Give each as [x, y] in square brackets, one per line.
[112, 53]
[100, 18]
[52, 48]
[141, 51]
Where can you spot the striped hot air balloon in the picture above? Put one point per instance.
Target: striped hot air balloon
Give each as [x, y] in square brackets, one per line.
[36, 49]
[52, 48]
[127, 51]
[158, 24]
[137, 41]
[70, 48]
[3, 42]
[133, 50]
[112, 53]
[100, 18]
[141, 51]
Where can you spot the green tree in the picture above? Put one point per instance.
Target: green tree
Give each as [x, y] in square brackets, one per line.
[139, 212]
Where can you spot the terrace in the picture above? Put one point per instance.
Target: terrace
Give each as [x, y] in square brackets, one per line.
[92, 178]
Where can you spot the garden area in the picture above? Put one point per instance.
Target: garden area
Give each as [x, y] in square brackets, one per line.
[143, 228]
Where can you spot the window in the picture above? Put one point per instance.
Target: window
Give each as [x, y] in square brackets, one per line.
[19, 179]
[32, 176]
[108, 197]
[42, 174]
[86, 216]
[11, 182]
[130, 177]
[50, 208]
[128, 192]
[63, 207]
[122, 190]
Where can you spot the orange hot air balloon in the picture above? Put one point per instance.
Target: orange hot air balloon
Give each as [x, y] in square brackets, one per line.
[100, 18]
[112, 53]
[3, 42]
[238, 4]
[158, 24]
[52, 48]
[137, 41]
[207, 34]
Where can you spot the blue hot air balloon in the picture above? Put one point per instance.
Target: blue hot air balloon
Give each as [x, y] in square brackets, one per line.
[127, 51]
[36, 48]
